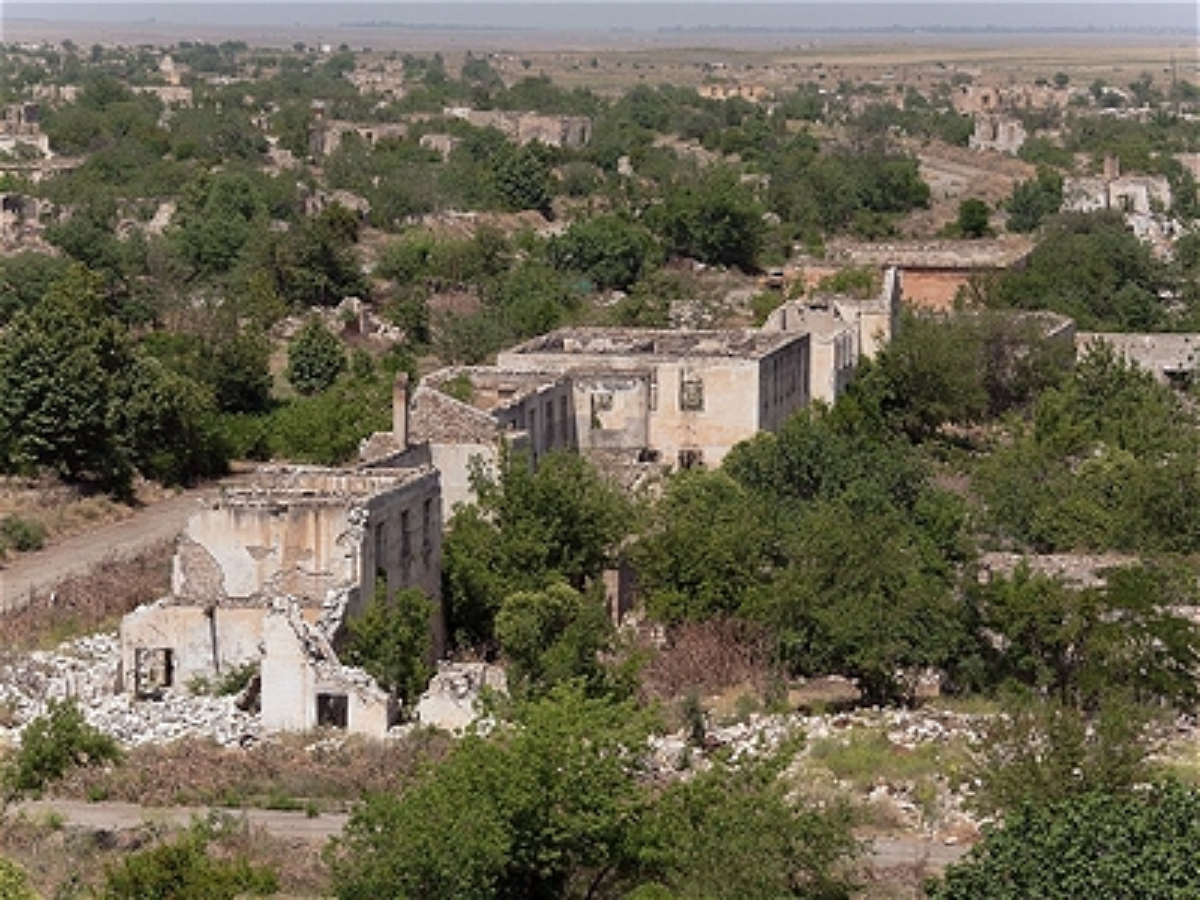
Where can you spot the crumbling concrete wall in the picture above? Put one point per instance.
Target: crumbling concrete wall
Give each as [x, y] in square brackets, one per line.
[320, 538]
[305, 687]
[705, 390]
[1171, 358]
[997, 132]
[237, 551]
[451, 702]
[180, 647]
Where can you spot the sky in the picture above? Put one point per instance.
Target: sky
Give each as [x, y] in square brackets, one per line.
[639, 16]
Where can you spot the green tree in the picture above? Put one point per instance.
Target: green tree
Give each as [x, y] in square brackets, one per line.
[1129, 845]
[529, 528]
[521, 178]
[867, 593]
[709, 546]
[52, 745]
[25, 278]
[552, 637]
[185, 869]
[167, 424]
[1039, 751]
[62, 365]
[315, 358]
[327, 428]
[1079, 646]
[1034, 201]
[972, 219]
[714, 219]
[1092, 268]
[734, 831]
[1109, 463]
[391, 640]
[609, 251]
[544, 807]
[217, 217]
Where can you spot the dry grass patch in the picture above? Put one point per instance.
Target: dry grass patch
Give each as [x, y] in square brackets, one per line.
[287, 771]
[86, 604]
[67, 862]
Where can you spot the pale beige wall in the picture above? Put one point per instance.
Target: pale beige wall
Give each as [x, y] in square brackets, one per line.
[203, 646]
[612, 412]
[302, 548]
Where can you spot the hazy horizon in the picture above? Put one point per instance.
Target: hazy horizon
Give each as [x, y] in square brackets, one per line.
[638, 17]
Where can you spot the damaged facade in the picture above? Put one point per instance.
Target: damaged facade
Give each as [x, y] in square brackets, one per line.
[1005, 134]
[842, 330]
[269, 573]
[632, 397]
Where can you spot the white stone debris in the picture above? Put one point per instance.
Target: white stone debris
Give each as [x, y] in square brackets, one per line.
[86, 669]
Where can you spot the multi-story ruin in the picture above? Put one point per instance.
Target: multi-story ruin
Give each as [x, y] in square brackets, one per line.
[269, 574]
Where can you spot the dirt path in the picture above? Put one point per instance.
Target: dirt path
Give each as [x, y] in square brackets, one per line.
[123, 816]
[886, 852]
[27, 574]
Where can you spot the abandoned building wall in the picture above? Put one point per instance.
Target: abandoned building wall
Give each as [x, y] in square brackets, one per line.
[455, 462]
[165, 645]
[402, 543]
[304, 686]
[706, 390]
[834, 346]
[238, 550]
[702, 408]
[1005, 134]
[784, 385]
[1170, 358]
[612, 412]
[546, 414]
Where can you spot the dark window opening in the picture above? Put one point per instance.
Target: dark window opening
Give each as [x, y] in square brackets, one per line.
[691, 459]
[691, 393]
[333, 711]
[154, 671]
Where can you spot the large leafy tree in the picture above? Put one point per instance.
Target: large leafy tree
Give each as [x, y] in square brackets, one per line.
[1109, 463]
[1092, 268]
[530, 527]
[554, 804]
[1079, 646]
[315, 358]
[554, 636]
[546, 807]
[62, 363]
[79, 399]
[714, 219]
[391, 640]
[608, 250]
[708, 547]
[1129, 845]
[217, 216]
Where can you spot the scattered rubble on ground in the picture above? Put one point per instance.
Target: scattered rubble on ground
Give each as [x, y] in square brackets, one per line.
[87, 669]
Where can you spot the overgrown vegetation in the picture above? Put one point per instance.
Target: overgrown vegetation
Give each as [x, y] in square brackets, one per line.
[848, 543]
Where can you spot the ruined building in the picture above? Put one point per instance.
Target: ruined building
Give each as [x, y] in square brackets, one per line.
[268, 575]
[632, 397]
[842, 330]
[1006, 134]
[21, 131]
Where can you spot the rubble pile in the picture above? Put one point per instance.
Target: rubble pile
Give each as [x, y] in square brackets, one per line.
[87, 670]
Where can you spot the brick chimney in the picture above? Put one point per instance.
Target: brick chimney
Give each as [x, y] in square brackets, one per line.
[400, 410]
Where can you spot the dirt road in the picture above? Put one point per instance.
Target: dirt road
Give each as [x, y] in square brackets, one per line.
[886, 852]
[27, 574]
[31, 573]
[123, 816]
